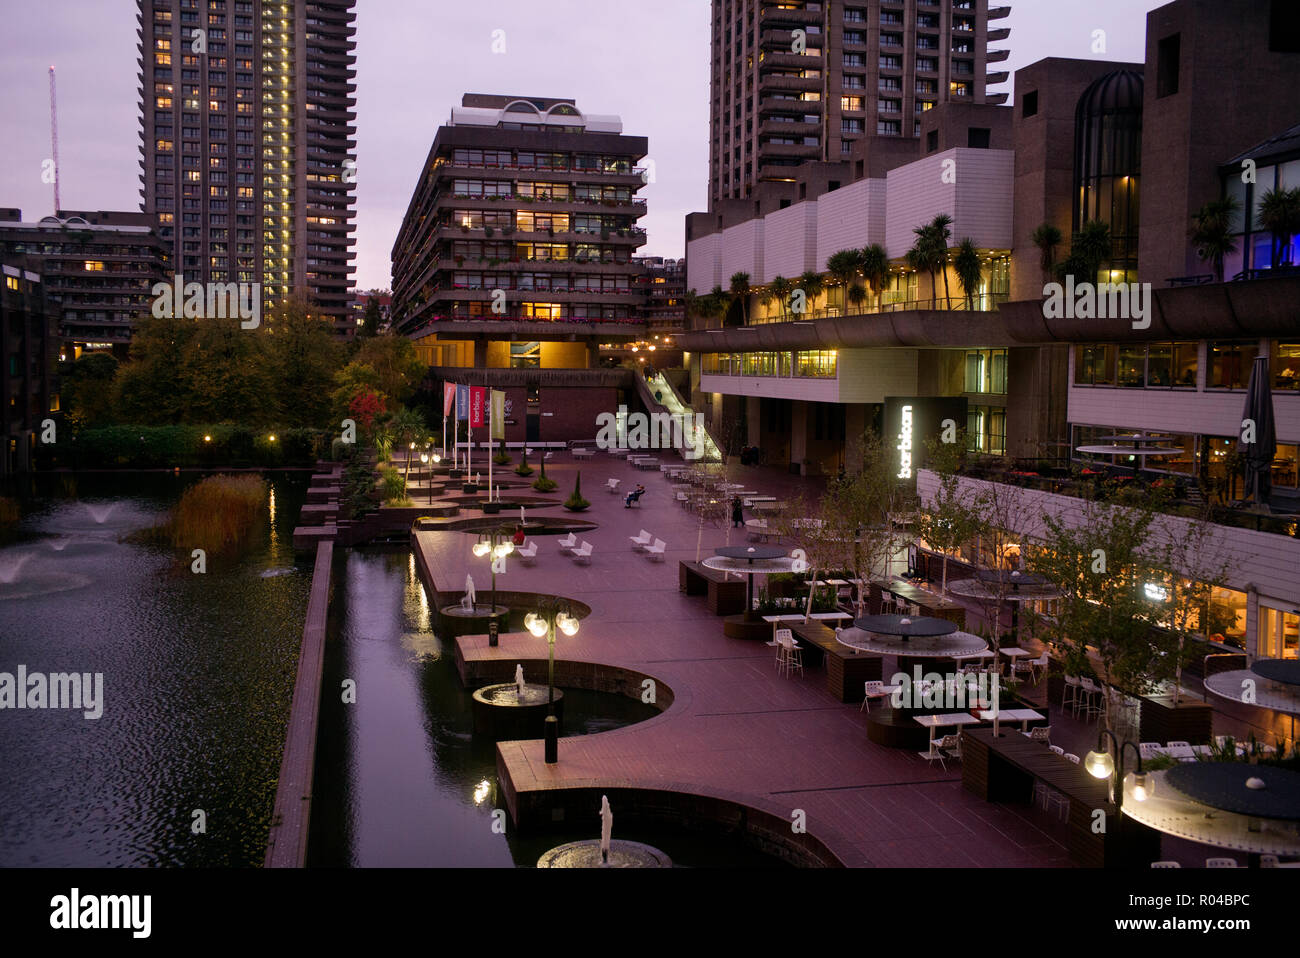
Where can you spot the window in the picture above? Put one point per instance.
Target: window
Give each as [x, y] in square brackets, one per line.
[1229, 365]
[1167, 65]
[1094, 365]
[1283, 33]
[1029, 104]
[977, 138]
[1279, 634]
[1171, 364]
[986, 430]
[850, 103]
[986, 371]
[1284, 360]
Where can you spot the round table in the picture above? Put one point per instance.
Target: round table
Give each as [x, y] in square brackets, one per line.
[906, 627]
[1227, 786]
[946, 646]
[749, 561]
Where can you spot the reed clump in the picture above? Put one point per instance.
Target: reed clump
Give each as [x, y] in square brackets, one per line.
[218, 514]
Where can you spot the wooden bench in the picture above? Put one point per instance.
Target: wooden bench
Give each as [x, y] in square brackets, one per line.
[725, 596]
[1004, 769]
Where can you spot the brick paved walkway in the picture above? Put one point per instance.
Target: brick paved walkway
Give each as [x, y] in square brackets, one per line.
[736, 727]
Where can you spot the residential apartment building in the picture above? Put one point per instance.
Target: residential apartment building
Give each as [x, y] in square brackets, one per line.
[794, 81]
[514, 264]
[246, 138]
[28, 349]
[98, 269]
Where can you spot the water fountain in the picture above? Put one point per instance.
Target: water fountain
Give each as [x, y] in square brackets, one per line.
[513, 710]
[15, 584]
[605, 852]
[101, 512]
[10, 567]
[468, 617]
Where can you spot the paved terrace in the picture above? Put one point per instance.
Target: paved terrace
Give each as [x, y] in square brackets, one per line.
[736, 729]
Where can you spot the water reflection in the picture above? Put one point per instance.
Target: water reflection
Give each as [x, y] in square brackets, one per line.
[198, 673]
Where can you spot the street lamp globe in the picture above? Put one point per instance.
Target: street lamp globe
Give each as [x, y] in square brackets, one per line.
[482, 548]
[567, 624]
[535, 624]
[1099, 764]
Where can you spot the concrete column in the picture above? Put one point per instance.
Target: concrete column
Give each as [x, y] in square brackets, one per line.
[593, 354]
[855, 428]
[798, 434]
[480, 352]
[753, 421]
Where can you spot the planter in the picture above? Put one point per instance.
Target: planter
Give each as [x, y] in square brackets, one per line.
[469, 487]
[1189, 721]
[582, 508]
[491, 508]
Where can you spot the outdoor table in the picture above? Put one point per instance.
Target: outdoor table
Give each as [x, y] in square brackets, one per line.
[777, 619]
[1023, 716]
[941, 646]
[750, 500]
[1013, 653]
[951, 718]
[743, 559]
[1210, 803]
[905, 626]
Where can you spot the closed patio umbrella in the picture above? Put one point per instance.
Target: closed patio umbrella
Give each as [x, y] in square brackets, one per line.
[1259, 454]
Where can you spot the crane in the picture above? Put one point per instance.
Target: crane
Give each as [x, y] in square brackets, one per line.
[54, 140]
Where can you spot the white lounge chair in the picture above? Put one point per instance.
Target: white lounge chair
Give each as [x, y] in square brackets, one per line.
[641, 541]
[527, 552]
[582, 554]
[656, 552]
[873, 689]
[568, 542]
[612, 485]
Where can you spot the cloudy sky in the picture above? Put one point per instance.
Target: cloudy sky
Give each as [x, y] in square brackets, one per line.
[648, 62]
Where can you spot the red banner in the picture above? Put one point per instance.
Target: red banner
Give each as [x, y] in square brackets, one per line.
[477, 405]
[448, 398]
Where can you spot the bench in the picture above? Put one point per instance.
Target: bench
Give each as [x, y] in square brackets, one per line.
[655, 552]
[726, 596]
[612, 485]
[847, 672]
[582, 554]
[639, 542]
[527, 552]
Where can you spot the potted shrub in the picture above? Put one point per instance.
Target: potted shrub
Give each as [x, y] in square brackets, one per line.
[543, 484]
[502, 458]
[523, 469]
[575, 502]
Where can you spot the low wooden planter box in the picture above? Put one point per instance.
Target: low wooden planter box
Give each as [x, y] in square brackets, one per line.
[1161, 721]
[725, 597]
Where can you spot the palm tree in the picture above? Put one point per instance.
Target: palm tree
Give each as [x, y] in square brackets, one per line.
[874, 263]
[812, 285]
[1211, 232]
[1279, 213]
[1093, 247]
[966, 264]
[857, 294]
[1046, 237]
[843, 267]
[926, 255]
[940, 234]
[740, 290]
[407, 427]
[780, 288]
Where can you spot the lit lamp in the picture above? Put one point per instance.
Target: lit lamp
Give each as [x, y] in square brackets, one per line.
[1099, 764]
[540, 624]
[498, 546]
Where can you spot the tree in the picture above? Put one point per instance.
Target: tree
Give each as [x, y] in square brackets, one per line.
[966, 264]
[1097, 558]
[1092, 248]
[1279, 213]
[86, 389]
[302, 355]
[740, 291]
[372, 317]
[396, 364]
[929, 252]
[812, 285]
[940, 233]
[1047, 238]
[843, 268]
[874, 263]
[407, 427]
[781, 288]
[154, 388]
[1211, 232]
[951, 518]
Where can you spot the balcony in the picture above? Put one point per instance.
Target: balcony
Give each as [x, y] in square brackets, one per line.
[791, 60]
[993, 78]
[500, 377]
[997, 56]
[999, 34]
[790, 83]
[999, 13]
[774, 16]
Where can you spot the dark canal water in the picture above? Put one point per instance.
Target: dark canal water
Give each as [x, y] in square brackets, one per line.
[400, 778]
[197, 669]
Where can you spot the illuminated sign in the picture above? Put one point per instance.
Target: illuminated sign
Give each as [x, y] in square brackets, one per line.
[904, 446]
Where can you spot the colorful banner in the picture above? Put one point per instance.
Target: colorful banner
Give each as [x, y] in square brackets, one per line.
[462, 402]
[477, 406]
[448, 398]
[498, 414]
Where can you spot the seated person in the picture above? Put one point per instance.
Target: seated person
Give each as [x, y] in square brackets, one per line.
[634, 496]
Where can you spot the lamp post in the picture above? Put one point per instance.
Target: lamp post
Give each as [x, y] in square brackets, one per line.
[1100, 765]
[545, 623]
[428, 473]
[498, 547]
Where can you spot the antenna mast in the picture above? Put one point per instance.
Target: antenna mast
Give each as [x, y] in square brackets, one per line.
[54, 140]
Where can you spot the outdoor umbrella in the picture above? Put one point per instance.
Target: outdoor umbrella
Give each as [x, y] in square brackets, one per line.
[1259, 454]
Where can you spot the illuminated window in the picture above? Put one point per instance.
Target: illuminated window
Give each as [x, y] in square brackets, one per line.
[94, 266]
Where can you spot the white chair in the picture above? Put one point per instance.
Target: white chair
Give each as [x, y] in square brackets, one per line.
[779, 638]
[1041, 734]
[1070, 697]
[612, 485]
[1220, 863]
[939, 751]
[582, 554]
[1035, 668]
[791, 654]
[874, 689]
[639, 542]
[1165, 865]
[1178, 744]
[1267, 861]
[527, 552]
[655, 552]
[1148, 750]
[1058, 750]
[1091, 700]
[1049, 798]
[568, 542]
[1072, 757]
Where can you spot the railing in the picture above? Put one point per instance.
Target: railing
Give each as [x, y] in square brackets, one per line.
[484, 165]
[1198, 280]
[1265, 273]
